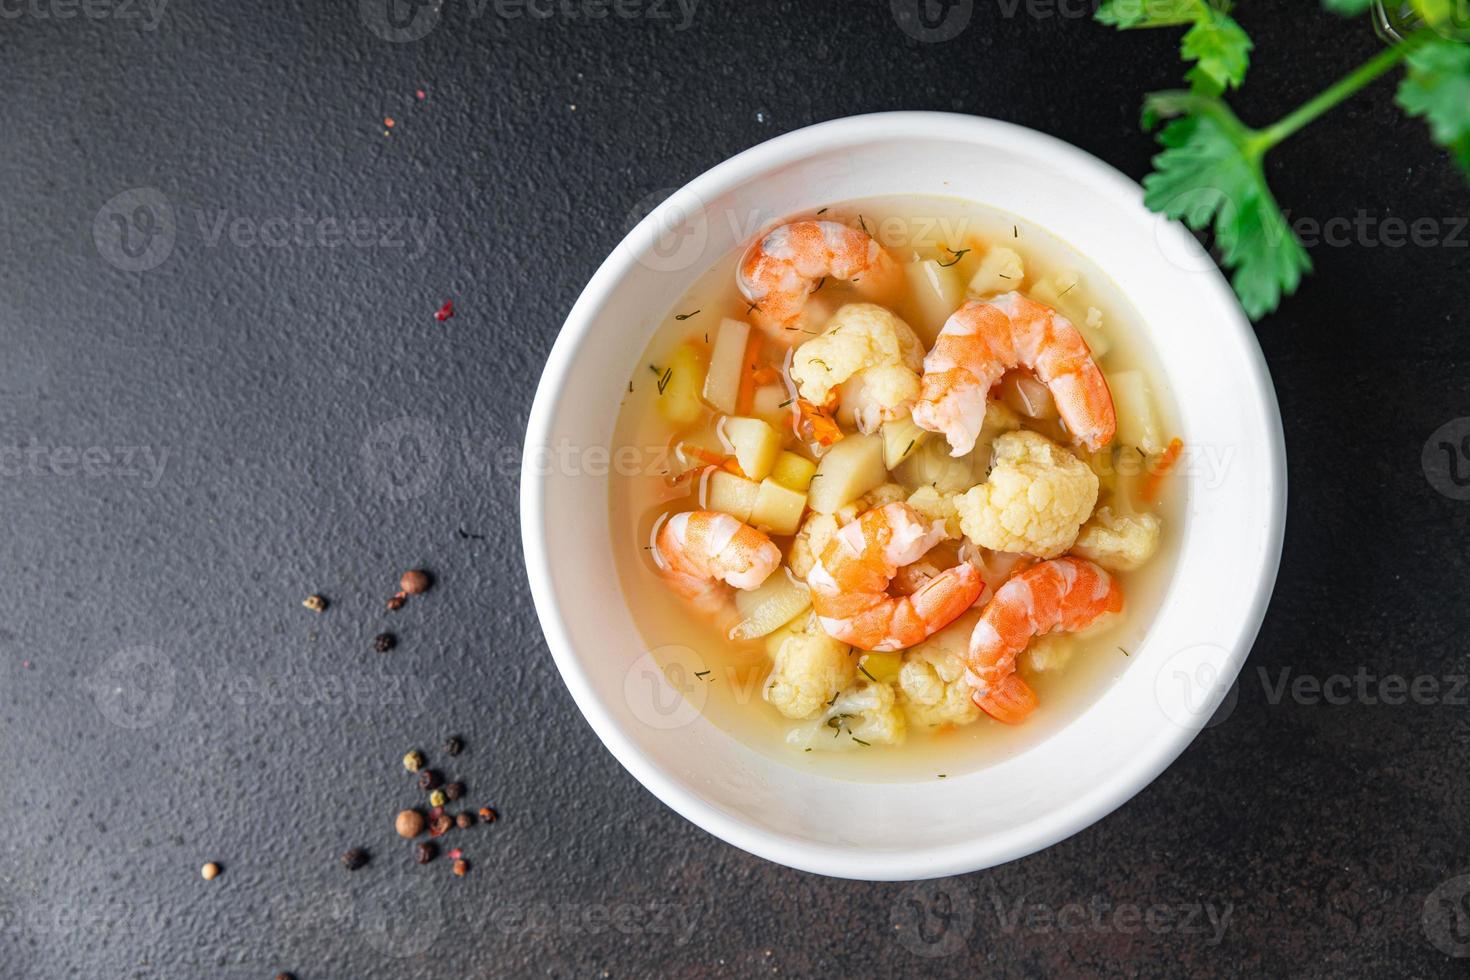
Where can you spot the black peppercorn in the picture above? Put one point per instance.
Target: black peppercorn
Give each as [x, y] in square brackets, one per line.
[464, 821]
[384, 642]
[454, 745]
[354, 859]
[425, 853]
[453, 791]
[430, 779]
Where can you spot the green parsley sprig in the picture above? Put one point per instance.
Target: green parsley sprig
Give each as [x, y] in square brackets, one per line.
[1211, 171]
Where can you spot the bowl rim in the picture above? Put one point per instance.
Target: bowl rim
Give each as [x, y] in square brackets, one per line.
[917, 862]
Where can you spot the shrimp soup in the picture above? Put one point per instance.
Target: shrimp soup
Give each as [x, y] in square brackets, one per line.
[909, 505]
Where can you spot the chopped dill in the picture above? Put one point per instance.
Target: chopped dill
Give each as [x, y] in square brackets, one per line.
[1124, 652]
[785, 403]
[860, 741]
[908, 447]
[820, 284]
[751, 307]
[866, 674]
[824, 211]
[1015, 232]
[1067, 290]
[957, 256]
[1002, 275]
[701, 674]
[834, 698]
[684, 316]
[943, 776]
[663, 382]
[654, 369]
[864, 225]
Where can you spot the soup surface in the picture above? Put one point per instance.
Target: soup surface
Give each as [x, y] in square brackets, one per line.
[774, 419]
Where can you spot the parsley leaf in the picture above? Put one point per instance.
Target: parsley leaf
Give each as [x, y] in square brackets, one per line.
[1348, 8]
[1210, 177]
[1126, 15]
[1219, 47]
[1437, 87]
[1221, 51]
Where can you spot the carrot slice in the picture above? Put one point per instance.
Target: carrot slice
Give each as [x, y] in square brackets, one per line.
[1166, 462]
[815, 424]
[702, 454]
[746, 398]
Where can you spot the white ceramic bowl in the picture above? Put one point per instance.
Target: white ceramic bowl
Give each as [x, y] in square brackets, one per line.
[1194, 650]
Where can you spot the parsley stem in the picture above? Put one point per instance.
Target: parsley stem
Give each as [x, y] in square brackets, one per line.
[1362, 76]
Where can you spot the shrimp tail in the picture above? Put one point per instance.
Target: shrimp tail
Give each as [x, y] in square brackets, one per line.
[1011, 701]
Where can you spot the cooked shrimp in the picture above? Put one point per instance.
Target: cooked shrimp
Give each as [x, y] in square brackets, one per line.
[702, 553]
[1063, 594]
[986, 338]
[850, 581]
[782, 270]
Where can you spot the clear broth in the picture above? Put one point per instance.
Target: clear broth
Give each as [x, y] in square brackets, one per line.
[951, 231]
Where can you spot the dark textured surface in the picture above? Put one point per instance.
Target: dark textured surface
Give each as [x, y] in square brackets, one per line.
[166, 701]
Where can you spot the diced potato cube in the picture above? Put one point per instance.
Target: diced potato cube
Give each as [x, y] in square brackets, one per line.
[849, 469]
[900, 438]
[937, 292]
[771, 402]
[729, 493]
[722, 383]
[793, 471]
[754, 443]
[764, 610]
[682, 382]
[1000, 272]
[931, 465]
[777, 508]
[1138, 422]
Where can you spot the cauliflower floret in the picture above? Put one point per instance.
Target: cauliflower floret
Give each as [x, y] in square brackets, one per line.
[812, 537]
[865, 714]
[932, 678]
[810, 668]
[810, 541]
[1049, 652]
[937, 505]
[874, 356]
[1118, 542]
[1035, 500]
